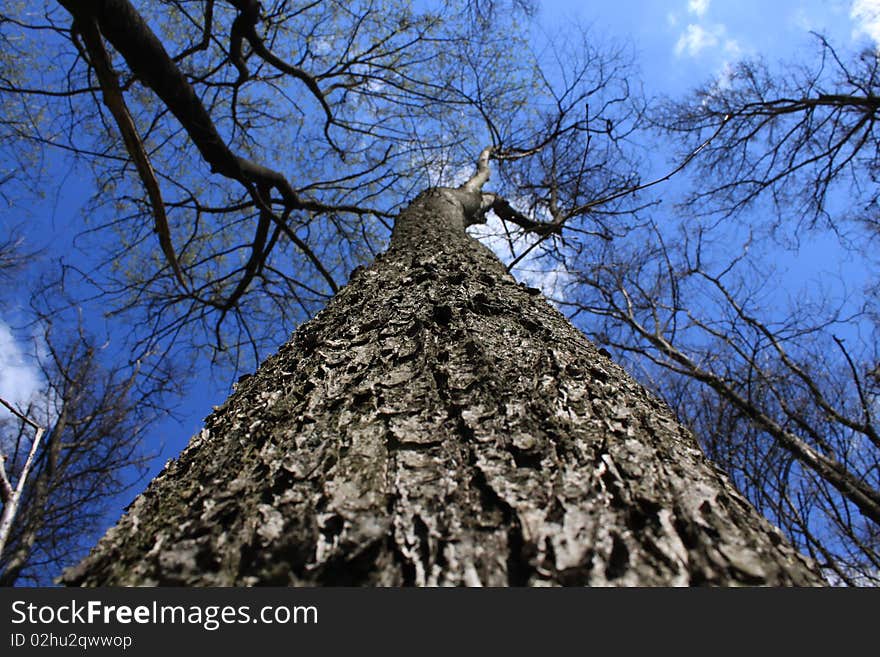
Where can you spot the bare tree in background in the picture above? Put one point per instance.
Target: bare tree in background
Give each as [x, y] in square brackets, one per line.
[783, 391]
[93, 418]
[802, 137]
[91, 453]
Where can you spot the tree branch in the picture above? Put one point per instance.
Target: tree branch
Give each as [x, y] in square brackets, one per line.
[245, 27]
[115, 102]
[12, 497]
[475, 182]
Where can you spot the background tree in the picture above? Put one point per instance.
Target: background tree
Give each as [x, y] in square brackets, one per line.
[92, 418]
[799, 137]
[782, 390]
[91, 453]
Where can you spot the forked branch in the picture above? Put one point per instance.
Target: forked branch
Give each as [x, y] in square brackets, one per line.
[10, 496]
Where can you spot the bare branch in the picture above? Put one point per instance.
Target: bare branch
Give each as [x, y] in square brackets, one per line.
[12, 497]
[115, 102]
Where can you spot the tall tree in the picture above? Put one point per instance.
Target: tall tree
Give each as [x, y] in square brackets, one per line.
[199, 239]
[437, 423]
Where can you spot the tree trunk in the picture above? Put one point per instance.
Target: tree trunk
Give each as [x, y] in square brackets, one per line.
[440, 424]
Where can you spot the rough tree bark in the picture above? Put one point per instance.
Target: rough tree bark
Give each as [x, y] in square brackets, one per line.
[439, 423]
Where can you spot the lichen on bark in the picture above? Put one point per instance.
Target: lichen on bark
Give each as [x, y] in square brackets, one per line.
[440, 424]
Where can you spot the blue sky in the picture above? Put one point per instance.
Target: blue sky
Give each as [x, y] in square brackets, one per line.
[677, 44]
[682, 42]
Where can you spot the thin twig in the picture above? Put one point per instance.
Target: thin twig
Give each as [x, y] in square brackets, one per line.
[625, 192]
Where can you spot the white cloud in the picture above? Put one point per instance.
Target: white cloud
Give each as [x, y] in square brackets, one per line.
[697, 38]
[698, 7]
[866, 16]
[440, 169]
[552, 282]
[732, 48]
[725, 78]
[722, 82]
[20, 380]
[549, 276]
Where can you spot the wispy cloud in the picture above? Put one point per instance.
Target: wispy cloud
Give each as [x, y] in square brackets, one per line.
[552, 282]
[20, 380]
[697, 38]
[698, 7]
[866, 16]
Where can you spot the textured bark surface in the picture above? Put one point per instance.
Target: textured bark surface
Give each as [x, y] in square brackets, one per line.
[439, 423]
